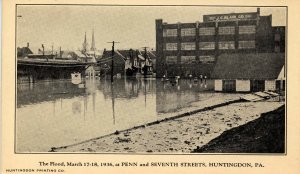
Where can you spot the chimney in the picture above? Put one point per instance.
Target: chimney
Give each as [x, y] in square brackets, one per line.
[258, 16]
[158, 23]
[60, 54]
[27, 44]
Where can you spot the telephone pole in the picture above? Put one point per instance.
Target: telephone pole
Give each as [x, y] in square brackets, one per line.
[145, 53]
[112, 60]
[145, 66]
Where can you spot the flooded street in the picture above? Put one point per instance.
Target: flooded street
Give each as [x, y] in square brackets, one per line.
[58, 113]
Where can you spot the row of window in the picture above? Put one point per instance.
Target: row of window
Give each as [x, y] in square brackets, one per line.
[189, 59]
[211, 45]
[249, 29]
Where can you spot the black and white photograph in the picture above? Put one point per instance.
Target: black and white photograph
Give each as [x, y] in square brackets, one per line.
[150, 79]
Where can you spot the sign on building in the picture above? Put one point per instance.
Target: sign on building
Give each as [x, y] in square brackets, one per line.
[229, 17]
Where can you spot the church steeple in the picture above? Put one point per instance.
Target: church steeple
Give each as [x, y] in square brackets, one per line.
[93, 47]
[85, 44]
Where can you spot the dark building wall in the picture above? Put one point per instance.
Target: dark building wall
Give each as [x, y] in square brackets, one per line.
[261, 39]
[264, 38]
[159, 47]
[119, 63]
[279, 38]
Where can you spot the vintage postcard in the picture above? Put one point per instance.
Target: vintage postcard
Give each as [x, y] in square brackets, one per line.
[131, 87]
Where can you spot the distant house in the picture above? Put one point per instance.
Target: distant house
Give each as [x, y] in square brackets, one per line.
[127, 62]
[45, 52]
[97, 53]
[152, 55]
[23, 52]
[105, 63]
[67, 55]
[84, 57]
[249, 72]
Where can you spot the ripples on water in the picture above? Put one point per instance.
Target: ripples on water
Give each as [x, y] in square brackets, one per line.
[57, 113]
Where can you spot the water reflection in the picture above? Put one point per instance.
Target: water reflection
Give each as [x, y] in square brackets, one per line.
[31, 93]
[60, 113]
[171, 97]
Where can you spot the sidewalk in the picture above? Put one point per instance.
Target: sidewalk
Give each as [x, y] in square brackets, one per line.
[180, 135]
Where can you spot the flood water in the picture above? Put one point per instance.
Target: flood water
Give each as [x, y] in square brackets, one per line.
[58, 113]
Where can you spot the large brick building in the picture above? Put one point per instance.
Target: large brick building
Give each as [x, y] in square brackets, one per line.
[193, 48]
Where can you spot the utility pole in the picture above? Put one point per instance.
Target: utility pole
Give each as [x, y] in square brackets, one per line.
[52, 48]
[145, 53]
[112, 60]
[60, 52]
[43, 50]
[146, 57]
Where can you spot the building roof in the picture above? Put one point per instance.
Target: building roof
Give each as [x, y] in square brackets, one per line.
[96, 52]
[23, 51]
[79, 54]
[259, 66]
[48, 52]
[118, 56]
[66, 54]
[125, 54]
[152, 54]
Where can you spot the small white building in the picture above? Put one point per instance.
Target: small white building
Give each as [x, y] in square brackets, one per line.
[245, 72]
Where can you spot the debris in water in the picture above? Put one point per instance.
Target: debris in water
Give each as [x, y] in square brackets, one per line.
[122, 140]
[117, 132]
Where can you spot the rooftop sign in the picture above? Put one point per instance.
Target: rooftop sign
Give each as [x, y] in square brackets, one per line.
[229, 17]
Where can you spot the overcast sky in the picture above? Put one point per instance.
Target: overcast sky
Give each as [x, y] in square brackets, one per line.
[132, 26]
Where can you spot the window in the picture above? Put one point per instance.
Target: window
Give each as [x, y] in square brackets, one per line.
[188, 46]
[226, 30]
[188, 32]
[188, 59]
[171, 46]
[247, 44]
[229, 85]
[171, 59]
[207, 31]
[226, 45]
[277, 37]
[277, 49]
[207, 45]
[249, 29]
[257, 85]
[169, 32]
[207, 59]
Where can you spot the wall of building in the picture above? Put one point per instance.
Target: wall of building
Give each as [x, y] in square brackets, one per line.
[218, 85]
[202, 43]
[242, 85]
[281, 75]
[279, 39]
[270, 85]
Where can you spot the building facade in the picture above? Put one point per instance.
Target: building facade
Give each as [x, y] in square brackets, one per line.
[249, 73]
[193, 48]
